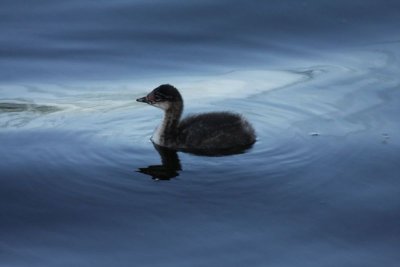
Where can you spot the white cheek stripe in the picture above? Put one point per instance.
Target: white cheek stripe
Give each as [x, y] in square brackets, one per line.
[161, 105]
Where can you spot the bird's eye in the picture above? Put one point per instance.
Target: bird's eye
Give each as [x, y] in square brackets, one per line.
[158, 97]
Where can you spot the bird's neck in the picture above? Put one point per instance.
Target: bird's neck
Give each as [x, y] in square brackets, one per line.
[166, 133]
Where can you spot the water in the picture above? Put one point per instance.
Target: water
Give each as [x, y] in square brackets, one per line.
[82, 185]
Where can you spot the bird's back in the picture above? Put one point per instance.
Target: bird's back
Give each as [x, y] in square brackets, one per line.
[215, 130]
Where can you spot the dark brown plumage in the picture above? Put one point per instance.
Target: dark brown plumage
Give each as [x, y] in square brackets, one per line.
[206, 132]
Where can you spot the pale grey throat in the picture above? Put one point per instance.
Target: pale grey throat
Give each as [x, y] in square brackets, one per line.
[167, 131]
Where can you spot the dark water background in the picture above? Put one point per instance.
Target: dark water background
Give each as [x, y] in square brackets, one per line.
[319, 80]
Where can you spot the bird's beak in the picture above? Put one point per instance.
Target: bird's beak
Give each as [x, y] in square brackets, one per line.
[143, 99]
[149, 99]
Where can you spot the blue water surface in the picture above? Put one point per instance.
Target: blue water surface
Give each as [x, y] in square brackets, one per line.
[82, 185]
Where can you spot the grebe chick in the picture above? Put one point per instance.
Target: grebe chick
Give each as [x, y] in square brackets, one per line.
[203, 132]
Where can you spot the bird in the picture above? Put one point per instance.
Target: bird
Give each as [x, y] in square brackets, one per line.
[204, 133]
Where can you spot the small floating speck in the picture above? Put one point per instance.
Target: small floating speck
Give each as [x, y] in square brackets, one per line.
[7, 107]
[314, 134]
[386, 137]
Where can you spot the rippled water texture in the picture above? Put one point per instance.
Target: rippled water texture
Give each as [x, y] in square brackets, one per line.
[82, 185]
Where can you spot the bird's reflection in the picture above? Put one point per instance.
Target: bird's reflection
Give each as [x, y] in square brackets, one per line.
[170, 164]
[169, 168]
